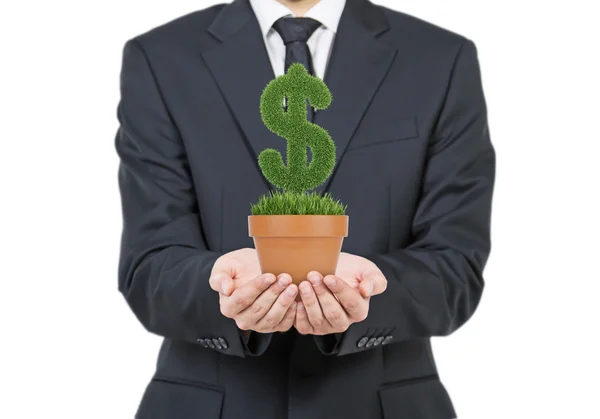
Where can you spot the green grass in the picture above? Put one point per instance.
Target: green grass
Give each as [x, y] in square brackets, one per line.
[298, 176]
[292, 203]
[291, 124]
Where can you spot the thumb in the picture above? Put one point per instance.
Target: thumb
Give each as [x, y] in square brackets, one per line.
[222, 283]
[373, 283]
[366, 287]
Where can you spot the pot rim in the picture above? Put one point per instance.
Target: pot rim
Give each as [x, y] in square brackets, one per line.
[298, 225]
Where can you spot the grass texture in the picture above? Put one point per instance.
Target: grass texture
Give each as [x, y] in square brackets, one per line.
[292, 203]
[291, 124]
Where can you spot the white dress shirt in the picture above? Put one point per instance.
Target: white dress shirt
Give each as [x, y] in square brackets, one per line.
[327, 12]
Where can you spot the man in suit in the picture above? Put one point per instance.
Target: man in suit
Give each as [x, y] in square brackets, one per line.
[414, 165]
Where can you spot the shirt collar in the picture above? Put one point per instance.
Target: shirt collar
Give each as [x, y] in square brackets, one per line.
[328, 12]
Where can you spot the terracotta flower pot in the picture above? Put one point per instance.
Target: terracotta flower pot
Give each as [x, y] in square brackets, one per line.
[298, 244]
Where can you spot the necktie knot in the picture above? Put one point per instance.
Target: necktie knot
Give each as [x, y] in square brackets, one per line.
[297, 29]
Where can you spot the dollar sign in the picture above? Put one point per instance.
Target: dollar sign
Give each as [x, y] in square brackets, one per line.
[297, 85]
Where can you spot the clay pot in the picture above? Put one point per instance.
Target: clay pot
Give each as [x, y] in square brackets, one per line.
[298, 244]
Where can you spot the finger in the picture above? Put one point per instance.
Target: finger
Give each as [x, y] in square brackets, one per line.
[324, 296]
[264, 302]
[373, 283]
[352, 301]
[243, 297]
[270, 307]
[302, 323]
[316, 280]
[332, 309]
[222, 283]
[312, 306]
[288, 320]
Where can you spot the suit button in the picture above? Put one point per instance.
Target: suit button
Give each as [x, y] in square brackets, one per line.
[202, 342]
[361, 343]
[210, 343]
[371, 342]
[223, 343]
[217, 343]
[388, 339]
[378, 341]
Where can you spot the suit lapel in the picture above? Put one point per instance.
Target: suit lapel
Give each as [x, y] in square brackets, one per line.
[241, 67]
[357, 66]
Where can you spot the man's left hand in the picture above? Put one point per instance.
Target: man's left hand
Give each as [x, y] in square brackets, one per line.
[332, 304]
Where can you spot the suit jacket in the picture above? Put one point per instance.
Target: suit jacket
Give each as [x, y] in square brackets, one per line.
[414, 165]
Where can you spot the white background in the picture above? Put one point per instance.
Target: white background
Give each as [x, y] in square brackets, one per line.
[70, 347]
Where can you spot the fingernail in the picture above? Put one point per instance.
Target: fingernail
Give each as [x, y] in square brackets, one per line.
[315, 279]
[305, 290]
[300, 307]
[284, 280]
[330, 281]
[291, 291]
[371, 287]
[269, 279]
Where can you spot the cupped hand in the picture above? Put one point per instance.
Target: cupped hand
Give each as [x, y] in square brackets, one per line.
[259, 302]
[332, 304]
[359, 272]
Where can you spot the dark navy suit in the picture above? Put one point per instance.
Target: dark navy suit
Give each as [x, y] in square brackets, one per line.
[414, 165]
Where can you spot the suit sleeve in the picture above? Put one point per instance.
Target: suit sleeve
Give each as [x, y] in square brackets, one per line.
[164, 263]
[435, 283]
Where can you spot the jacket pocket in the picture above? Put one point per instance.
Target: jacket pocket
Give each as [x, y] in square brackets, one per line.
[167, 398]
[422, 398]
[376, 132]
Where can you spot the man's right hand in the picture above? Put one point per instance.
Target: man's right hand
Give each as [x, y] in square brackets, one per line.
[258, 302]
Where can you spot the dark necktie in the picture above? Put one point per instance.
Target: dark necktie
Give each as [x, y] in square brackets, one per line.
[295, 32]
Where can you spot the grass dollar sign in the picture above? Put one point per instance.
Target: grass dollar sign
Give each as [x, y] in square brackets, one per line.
[298, 176]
